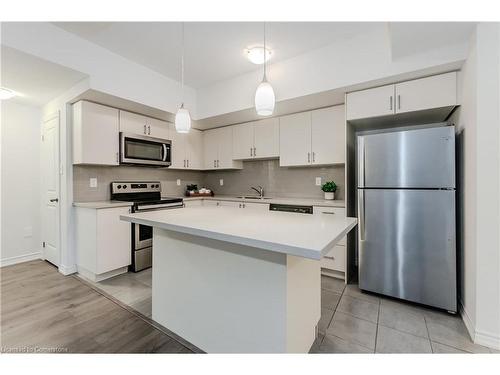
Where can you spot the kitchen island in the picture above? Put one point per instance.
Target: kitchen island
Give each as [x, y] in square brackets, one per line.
[243, 281]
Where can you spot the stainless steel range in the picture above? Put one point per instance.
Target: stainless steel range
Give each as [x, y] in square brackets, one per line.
[145, 196]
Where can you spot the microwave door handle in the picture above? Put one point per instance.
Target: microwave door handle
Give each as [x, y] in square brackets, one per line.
[164, 152]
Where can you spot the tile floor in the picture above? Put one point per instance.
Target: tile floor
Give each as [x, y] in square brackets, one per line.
[356, 322]
[133, 289]
[351, 321]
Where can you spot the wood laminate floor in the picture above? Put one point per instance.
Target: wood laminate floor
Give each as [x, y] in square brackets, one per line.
[43, 311]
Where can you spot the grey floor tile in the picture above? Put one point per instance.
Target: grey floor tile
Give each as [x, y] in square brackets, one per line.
[445, 349]
[402, 319]
[143, 306]
[332, 284]
[334, 344]
[315, 346]
[324, 322]
[403, 305]
[352, 329]
[359, 308]
[392, 341]
[144, 276]
[353, 290]
[451, 331]
[126, 288]
[329, 300]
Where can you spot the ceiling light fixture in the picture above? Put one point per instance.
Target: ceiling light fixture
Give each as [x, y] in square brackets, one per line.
[256, 55]
[182, 118]
[6, 93]
[264, 96]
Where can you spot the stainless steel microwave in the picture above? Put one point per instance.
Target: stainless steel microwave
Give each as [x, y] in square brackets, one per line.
[144, 150]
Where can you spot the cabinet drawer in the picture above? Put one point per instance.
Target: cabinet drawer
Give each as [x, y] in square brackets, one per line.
[335, 259]
[329, 210]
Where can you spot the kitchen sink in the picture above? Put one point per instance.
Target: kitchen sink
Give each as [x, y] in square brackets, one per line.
[252, 197]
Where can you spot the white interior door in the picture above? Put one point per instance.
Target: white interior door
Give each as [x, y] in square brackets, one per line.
[50, 189]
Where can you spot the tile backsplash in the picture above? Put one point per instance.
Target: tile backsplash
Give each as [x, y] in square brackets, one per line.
[82, 192]
[297, 182]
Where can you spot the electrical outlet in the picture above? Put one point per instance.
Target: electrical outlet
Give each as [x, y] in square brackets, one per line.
[178, 182]
[318, 181]
[221, 182]
[93, 182]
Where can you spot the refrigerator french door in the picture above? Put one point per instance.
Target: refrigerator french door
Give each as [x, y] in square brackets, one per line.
[406, 212]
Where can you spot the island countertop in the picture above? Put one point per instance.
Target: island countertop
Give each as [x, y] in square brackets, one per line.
[302, 235]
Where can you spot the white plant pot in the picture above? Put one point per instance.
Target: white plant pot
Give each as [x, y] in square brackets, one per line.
[329, 196]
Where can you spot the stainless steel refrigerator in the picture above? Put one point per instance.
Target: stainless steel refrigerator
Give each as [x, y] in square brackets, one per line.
[406, 212]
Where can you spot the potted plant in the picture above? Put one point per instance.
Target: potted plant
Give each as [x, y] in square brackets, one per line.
[329, 188]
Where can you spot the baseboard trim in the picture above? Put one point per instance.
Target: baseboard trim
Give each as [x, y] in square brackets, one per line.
[467, 321]
[478, 337]
[67, 270]
[20, 259]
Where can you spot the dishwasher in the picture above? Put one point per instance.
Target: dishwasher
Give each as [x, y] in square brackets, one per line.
[291, 208]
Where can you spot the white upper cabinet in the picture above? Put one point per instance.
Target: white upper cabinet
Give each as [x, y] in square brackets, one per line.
[328, 135]
[218, 149]
[313, 138]
[243, 141]
[95, 134]
[295, 139]
[370, 103]
[266, 138]
[256, 140]
[425, 93]
[143, 125]
[187, 149]
[430, 92]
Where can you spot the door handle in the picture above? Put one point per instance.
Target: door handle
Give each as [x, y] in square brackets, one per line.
[54, 200]
[361, 214]
[215, 164]
[144, 129]
[314, 157]
[308, 157]
[251, 151]
[149, 130]
[184, 163]
[399, 101]
[187, 162]
[390, 103]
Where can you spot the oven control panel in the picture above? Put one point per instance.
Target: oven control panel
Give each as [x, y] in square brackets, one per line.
[135, 187]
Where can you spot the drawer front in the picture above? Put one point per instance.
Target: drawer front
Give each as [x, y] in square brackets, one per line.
[335, 259]
[329, 210]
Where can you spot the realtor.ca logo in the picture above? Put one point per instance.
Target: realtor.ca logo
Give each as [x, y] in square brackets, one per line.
[33, 349]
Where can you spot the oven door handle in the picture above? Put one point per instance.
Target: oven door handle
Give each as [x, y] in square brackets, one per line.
[145, 207]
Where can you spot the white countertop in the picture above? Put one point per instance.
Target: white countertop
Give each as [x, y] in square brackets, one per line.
[297, 201]
[303, 235]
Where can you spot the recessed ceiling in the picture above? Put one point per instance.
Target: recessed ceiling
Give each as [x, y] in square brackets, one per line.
[37, 81]
[214, 51]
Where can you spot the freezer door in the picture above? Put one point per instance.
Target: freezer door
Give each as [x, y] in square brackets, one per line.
[407, 245]
[421, 158]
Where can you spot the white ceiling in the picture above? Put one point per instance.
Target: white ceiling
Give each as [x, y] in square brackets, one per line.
[214, 51]
[36, 81]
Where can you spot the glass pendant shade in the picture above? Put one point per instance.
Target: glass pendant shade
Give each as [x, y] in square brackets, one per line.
[264, 99]
[182, 120]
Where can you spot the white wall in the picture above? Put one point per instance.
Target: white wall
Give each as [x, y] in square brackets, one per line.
[20, 138]
[478, 123]
[361, 59]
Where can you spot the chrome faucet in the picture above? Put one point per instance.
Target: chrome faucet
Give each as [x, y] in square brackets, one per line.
[259, 189]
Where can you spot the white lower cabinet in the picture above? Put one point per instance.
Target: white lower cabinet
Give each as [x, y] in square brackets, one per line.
[103, 242]
[237, 204]
[334, 263]
[193, 203]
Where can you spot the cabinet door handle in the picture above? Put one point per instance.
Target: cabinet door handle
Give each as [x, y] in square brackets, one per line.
[149, 130]
[54, 200]
[215, 164]
[390, 103]
[329, 257]
[184, 163]
[314, 157]
[308, 157]
[255, 151]
[243, 205]
[399, 101]
[145, 129]
[117, 158]
[187, 162]
[239, 205]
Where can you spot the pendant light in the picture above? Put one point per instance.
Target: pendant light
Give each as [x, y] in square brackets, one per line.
[264, 96]
[182, 118]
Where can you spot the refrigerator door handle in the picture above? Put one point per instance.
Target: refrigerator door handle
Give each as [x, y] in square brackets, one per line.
[361, 161]
[361, 214]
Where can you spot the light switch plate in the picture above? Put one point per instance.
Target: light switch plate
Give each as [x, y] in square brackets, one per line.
[178, 182]
[318, 181]
[93, 182]
[221, 182]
